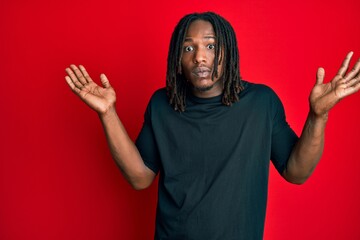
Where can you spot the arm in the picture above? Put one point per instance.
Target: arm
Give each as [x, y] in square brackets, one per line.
[102, 100]
[308, 150]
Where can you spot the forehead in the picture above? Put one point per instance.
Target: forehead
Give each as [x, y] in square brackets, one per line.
[200, 27]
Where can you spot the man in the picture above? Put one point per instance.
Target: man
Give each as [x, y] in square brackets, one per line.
[211, 134]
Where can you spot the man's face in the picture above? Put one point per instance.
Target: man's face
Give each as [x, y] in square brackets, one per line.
[198, 60]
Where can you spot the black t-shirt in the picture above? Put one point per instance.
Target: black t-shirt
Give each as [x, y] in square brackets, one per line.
[214, 162]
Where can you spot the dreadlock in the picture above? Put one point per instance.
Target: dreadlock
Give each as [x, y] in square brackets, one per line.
[225, 46]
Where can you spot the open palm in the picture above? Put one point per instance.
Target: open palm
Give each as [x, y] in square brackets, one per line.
[324, 96]
[98, 98]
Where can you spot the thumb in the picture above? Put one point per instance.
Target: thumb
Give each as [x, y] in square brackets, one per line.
[320, 75]
[105, 82]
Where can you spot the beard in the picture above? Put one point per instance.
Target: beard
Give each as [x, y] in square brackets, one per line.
[203, 88]
[206, 88]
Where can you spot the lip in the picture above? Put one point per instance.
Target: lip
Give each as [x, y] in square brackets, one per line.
[201, 72]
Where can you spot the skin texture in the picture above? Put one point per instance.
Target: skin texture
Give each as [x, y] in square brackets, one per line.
[102, 100]
[198, 60]
[323, 97]
[197, 64]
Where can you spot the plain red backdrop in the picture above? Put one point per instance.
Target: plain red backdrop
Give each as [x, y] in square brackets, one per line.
[57, 178]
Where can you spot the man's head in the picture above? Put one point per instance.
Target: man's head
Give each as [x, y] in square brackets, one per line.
[203, 56]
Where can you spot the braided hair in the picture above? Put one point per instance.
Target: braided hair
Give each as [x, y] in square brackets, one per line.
[176, 84]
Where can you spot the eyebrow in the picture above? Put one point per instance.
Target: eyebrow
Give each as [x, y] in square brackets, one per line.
[189, 39]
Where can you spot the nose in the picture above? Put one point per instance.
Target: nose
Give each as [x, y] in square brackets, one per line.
[200, 55]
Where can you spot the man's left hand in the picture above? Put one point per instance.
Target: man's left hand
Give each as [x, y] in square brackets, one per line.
[325, 96]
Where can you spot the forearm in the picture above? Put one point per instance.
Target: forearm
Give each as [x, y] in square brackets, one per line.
[307, 151]
[124, 151]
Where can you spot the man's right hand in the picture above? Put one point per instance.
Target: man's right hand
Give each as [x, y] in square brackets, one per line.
[100, 99]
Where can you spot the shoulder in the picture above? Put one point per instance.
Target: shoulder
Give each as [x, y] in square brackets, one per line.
[159, 96]
[160, 93]
[159, 102]
[260, 97]
[260, 91]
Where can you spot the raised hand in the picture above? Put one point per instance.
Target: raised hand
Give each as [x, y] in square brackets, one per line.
[324, 96]
[100, 99]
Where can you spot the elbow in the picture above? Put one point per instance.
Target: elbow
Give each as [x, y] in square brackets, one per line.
[141, 180]
[138, 186]
[295, 179]
[298, 181]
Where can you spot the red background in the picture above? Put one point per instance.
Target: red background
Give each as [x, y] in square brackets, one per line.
[57, 179]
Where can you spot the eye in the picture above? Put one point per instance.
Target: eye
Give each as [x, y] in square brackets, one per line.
[188, 48]
[211, 46]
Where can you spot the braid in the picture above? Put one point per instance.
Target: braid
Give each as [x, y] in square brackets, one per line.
[226, 53]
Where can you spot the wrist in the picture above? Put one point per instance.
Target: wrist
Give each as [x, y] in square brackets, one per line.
[108, 113]
[318, 118]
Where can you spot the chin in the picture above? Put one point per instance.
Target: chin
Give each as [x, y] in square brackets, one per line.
[203, 88]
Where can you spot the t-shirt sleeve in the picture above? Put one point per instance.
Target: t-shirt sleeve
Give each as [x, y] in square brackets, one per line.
[283, 137]
[146, 143]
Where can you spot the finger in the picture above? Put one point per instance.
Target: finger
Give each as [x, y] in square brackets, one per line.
[345, 65]
[73, 78]
[355, 71]
[355, 87]
[85, 73]
[72, 85]
[352, 83]
[78, 74]
[320, 76]
[105, 82]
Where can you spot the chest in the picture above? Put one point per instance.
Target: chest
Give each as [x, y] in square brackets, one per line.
[209, 142]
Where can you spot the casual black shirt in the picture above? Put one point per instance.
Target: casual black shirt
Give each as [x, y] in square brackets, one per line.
[214, 162]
